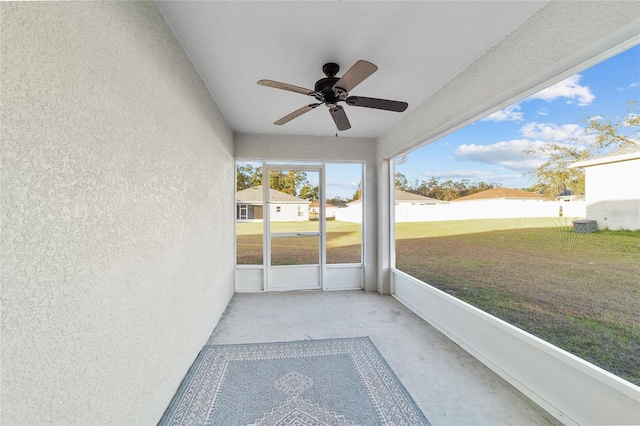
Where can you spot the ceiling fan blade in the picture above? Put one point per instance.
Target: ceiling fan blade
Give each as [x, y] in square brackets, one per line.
[340, 118]
[376, 103]
[285, 86]
[297, 113]
[356, 75]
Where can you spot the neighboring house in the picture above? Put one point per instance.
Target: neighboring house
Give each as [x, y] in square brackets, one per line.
[502, 194]
[284, 207]
[612, 188]
[402, 197]
[314, 210]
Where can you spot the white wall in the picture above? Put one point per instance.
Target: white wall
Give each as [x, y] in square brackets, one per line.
[329, 211]
[351, 213]
[117, 213]
[289, 213]
[477, 209]
[488, 209]
[613, 194]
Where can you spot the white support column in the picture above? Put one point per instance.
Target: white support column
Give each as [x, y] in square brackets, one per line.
[384, 227]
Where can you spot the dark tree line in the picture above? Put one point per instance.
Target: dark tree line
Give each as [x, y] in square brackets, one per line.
[341, 201]
[296, 183]
[446, 190]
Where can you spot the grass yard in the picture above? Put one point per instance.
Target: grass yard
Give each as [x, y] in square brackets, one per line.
[580, 292]
[343, 243]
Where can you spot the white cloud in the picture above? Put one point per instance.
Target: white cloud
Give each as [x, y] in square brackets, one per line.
[342, 185]
[632, 120]
[550, 131]
[568, 88]
[510, 113]
[473, 175]
[508, 154]
[631, 86]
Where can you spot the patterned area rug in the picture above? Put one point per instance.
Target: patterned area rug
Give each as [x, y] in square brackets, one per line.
[311, 382]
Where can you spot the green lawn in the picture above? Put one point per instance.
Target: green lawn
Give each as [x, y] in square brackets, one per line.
[343, 243]
[580, 292]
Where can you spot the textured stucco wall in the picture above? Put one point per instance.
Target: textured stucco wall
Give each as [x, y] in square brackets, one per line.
[117, 213]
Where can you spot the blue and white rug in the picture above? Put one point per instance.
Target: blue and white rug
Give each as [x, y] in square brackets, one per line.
[311, 382]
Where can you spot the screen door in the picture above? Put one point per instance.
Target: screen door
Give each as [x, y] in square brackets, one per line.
[295, 227]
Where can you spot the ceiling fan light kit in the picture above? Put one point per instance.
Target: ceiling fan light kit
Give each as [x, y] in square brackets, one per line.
[331, 90]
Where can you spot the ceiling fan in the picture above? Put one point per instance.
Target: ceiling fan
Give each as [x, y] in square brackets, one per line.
[331, 90]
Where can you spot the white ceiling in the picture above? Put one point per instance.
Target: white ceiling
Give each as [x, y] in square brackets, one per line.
[418, 47]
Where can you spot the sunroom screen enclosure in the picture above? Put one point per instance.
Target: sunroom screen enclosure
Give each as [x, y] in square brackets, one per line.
[284, 247]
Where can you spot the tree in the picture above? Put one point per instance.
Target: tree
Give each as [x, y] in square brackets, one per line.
[358, 194]
[290, 182]
[337, 201]
[310, 193]
[247, 176]
[616, 132]
[554, 176]
[401, 182]
[446, 191]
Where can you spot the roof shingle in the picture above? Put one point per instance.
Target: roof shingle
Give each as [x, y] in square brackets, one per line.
[254, 195]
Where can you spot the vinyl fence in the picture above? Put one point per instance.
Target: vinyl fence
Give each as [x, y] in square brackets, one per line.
[476, 209]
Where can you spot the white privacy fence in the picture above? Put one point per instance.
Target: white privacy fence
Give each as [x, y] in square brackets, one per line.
[477, 209]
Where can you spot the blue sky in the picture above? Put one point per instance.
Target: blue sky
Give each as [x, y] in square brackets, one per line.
[490, 150]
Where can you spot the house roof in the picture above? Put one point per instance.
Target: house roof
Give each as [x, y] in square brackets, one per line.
[626, 153]
[254, 196]
[501, 193]
[414, 198]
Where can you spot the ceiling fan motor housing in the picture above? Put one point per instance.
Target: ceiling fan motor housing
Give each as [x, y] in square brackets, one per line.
[324, 87]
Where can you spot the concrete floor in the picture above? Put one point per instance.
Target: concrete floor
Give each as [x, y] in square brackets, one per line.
[449, 385]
